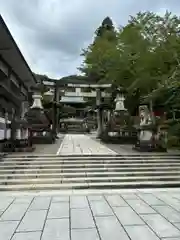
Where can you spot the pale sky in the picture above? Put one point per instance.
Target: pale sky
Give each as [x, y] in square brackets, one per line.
[51, 33]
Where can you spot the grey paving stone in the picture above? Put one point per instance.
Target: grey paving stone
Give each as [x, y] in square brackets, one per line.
[150, 199]
[116, 201]
[141, 233]
[177, 196]
[40, 203]
[81, 218]
[177, 225]
[56, 229]
[78, 202]
[7, 229]
[101, 208]
[86, 234]
[59, 210]
[95, 198]
[14, 212]
[32, 221]
[175, 203]
[140, 207]
[25, 199]
[129, 196]
[60, 199]
[127, 216]
[170, 238]
[169, 213]
[5, 202]
[27, 236]
[110, 228]
[161, 226]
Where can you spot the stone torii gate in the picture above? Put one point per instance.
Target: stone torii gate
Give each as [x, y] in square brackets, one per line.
[99, 88]
[58, 90]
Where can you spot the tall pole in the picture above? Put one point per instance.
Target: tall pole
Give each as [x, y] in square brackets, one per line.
[151, 111]
[6, 122]
[99, 115]
[55, 110]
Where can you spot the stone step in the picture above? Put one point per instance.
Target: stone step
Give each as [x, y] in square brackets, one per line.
[88, 165]
[88, 179]
[26, 176]
[93, 185]
[89, 157]
[87, 169]
[53, 172]
[28, 187]
[97, 161]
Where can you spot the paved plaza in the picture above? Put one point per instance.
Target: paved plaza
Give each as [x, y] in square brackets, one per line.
[74, 215]
[82, 144]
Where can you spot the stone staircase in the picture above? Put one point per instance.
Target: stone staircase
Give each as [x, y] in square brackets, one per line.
[54, 172]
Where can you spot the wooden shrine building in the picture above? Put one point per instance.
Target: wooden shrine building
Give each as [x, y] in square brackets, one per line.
[16, 78]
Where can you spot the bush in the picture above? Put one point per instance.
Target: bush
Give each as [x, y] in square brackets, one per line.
[173, 141]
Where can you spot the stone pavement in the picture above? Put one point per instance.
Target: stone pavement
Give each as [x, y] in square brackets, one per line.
[82, 144]
[117, 215]
[123, 149]
[43, 149]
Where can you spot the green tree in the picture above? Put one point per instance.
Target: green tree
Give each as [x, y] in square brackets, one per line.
[162, 35]
[143, 57]
[98, 54]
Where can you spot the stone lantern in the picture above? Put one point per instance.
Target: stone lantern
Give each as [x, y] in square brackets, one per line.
[119, 100]
[41, 129]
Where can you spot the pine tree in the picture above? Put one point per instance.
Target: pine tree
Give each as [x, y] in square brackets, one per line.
[106, 28]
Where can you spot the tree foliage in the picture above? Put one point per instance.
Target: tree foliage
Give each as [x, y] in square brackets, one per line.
[98, 55]
[142, 56]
